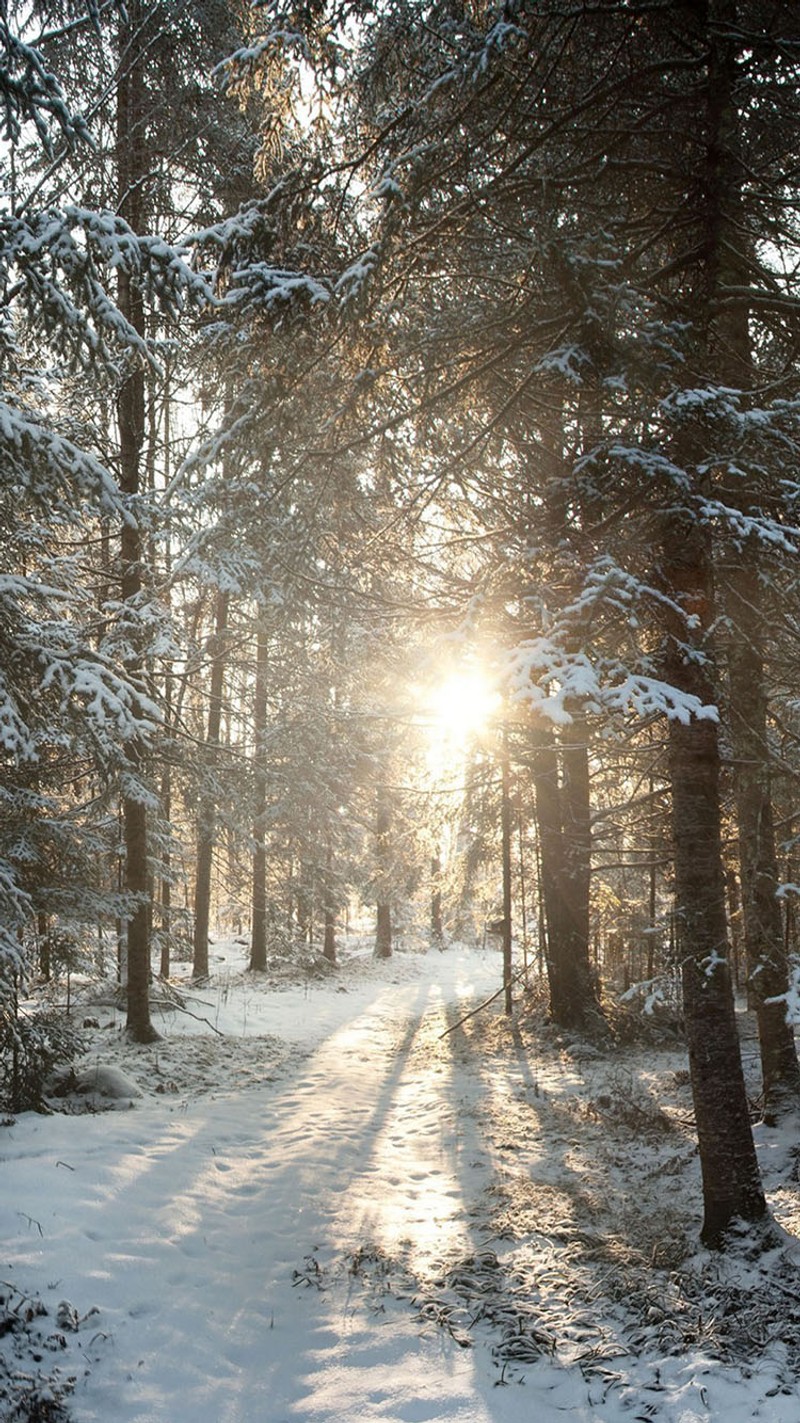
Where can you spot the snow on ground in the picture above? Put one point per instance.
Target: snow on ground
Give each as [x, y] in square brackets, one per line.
[314, 1204]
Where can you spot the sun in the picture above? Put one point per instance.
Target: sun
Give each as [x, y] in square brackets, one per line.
[457, 711]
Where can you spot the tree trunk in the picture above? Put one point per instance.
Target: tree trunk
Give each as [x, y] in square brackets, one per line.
[437, 925]
[45, 945]
[731, 1182]
[505, 835]
[131, 170]
[544, 768]
[563, 823]
[383, 826]
[207, 812]
[523, 887]
[735, 926]
[258, 939]
[329, 909]
[383, 932]
[577, 854]
[329, 936]
[767, 967]
[165, 926]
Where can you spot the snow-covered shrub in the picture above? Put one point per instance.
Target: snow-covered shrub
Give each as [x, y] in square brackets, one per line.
[650, 1011]
[33, 1388]
[31, 1045]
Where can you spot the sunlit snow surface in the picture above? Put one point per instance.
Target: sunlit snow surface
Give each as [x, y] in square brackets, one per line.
[265, 1234]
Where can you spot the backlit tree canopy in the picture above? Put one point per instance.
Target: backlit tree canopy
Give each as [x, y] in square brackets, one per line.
[348, 350]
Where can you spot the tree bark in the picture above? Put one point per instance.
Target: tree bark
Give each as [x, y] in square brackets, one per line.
[505, 827]
[437, 924]
[383, 827]
[207, 812]
[258, 895]
[563, 824]
[383, 931]
[165, 925]
[131, 170]
[544, 766]
[576, 817]
[45, 946]
[731, 1181]
[743, 597]
[767, 966]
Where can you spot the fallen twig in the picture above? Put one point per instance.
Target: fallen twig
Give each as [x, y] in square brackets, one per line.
[481, 1006]
[181, 1008]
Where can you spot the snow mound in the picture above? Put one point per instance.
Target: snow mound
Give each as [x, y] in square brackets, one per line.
[95, 1087]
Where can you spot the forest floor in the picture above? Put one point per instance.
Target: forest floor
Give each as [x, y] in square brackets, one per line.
[310, 1202]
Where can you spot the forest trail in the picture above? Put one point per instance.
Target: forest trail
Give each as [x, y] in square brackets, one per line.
[375, 1220]
[222, 1242]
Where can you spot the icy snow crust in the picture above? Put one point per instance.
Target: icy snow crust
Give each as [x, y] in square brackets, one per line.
[321, 1210]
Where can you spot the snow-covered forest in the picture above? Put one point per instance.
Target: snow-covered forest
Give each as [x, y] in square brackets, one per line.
[400, 449]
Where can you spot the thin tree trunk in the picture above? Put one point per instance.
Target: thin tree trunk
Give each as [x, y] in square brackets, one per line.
[329, 935]
[207, 813]
[577, 854]
[505, 827]
[523, 889]
[165, 926]
[45, 945]
[544, 766]
[651, 918]
[131, 170]
[166, 775]
[383, 827]
[437, 925]
[329, 909]
[258, 916]
[166, 887]
[541, 913]
[767, 966]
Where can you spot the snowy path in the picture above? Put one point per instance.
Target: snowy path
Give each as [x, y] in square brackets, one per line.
[247, 1248]
[184, 1229]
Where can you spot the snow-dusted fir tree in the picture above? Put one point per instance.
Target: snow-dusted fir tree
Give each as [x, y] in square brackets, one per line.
[167, 159]
[73, 693]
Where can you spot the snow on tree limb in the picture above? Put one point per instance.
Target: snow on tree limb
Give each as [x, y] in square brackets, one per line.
[552, 682]
[29, 93]
[59, 262]
[53, 469]
[749, 527]
[108, 700]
